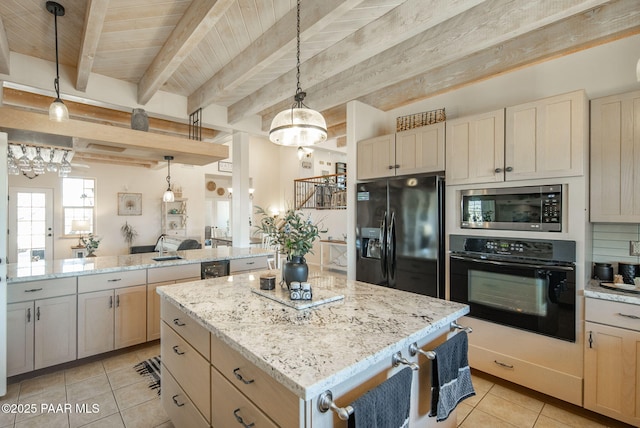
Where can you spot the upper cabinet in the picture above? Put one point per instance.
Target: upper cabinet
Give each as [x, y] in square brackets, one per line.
[415, 151]
[541, 139]
[615, 150]
[547, 138]
[475, 149]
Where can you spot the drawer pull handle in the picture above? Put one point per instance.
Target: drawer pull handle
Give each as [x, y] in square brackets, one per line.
[240, 378]
[505, 365]
[633, 317]
[176, 401]
[251, 263]
[114, 280]
[177, 351]
[179, 323]
[240, 420]
[33, 290]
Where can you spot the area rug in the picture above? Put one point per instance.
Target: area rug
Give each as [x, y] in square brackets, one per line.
[151, 369]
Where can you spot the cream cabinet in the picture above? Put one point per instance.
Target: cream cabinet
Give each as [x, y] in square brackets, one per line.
[415, 151]
[174, 217]
[166, 275]
[41, 332]
[612, 359]
[112, 311]
[247, 264]
[547, 138]
[475, 149]
[615, 156]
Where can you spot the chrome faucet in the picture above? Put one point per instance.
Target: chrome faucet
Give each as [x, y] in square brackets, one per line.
[161, 250]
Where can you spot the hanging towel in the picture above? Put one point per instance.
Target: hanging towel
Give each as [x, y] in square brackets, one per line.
[450, 376]
[385, 406]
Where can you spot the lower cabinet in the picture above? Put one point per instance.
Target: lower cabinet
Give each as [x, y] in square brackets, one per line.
[111, 319]
[612, 360]
[247, 264]
[40, 333]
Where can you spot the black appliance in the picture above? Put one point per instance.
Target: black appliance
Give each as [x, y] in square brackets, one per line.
[399, 232]
[531, 208]
[522, 283]
[214, 269]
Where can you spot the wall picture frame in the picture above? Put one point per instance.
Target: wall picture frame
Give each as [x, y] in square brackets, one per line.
[129, 203]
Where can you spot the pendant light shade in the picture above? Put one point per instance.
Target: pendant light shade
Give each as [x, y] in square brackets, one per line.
[57, 110]
[298, 125]
[168, 195]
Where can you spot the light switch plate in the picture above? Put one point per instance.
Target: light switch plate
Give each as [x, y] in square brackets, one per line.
[634, 248]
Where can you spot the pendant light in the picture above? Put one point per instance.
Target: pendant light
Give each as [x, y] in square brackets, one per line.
[168, 194]
[57, 110]
[299, 125]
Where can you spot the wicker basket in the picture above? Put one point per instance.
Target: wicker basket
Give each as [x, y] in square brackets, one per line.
[417, 120]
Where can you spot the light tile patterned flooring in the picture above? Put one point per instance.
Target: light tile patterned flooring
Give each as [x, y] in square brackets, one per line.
[124, 400]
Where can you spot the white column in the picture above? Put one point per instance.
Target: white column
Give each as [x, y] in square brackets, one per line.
[4, 192]
[240, 204]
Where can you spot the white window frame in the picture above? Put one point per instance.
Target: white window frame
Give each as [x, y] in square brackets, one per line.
[84, 209]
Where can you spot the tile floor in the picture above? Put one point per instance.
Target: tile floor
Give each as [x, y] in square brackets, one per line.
[124, 400]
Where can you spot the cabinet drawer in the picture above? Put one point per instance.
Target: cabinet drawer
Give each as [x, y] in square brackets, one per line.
[173, 273]
[34, 290]
[281, 404]
[177, 404]
[185, 326]
[106, 281]
[250, 263]
[228, 405]
[188, 367]
[617, 314]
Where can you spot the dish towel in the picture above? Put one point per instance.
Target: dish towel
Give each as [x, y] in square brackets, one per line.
[450, 376]
[385, 406]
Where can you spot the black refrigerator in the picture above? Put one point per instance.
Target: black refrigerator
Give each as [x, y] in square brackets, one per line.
[399, 231]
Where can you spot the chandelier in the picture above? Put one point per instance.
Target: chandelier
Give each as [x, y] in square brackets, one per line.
[298, 125]
[32, 161]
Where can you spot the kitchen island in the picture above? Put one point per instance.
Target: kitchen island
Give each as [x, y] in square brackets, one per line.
[232, 355]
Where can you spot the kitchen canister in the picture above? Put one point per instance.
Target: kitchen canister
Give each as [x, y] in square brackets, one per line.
[628, 271]
[267, 282]
[603, 271]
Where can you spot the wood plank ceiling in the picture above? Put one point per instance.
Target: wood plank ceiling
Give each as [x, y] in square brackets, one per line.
[240, 54]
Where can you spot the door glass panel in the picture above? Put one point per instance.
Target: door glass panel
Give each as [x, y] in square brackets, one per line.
[520, 294]
[30, 216]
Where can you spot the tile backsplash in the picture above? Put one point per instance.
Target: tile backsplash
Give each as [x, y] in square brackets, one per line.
[611, 242]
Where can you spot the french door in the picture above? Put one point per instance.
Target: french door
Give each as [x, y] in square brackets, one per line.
[30, 224]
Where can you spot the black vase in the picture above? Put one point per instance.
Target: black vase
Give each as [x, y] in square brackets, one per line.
[295, 269]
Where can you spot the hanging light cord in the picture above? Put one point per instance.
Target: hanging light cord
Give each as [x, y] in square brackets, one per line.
[56, 83]
[300, 94]
[168, 174]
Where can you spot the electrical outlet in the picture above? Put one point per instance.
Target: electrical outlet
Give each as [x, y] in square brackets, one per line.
[634, 248]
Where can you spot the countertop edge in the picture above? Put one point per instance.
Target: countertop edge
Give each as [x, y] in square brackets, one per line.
[595, 291]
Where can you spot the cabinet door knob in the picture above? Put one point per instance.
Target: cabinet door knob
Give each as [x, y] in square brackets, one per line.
[391, 166]
[498, 170]
[508, 169]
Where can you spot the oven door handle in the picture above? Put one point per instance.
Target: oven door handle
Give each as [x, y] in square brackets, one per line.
[512, 264]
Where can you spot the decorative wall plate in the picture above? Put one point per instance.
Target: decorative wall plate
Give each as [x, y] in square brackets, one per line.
[211, 185]
[220, 191]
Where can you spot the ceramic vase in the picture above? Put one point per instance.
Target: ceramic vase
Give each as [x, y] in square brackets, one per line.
[295, 269]
[139, 120]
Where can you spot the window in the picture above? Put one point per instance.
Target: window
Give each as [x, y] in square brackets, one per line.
[78, 203]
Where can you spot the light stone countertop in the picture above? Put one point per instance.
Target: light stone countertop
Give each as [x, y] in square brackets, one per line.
[61, 268]
[594, 290]
[312, 350]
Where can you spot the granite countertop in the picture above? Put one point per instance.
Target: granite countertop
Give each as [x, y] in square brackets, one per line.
[33, 271]
[594, 290]
[311, 350]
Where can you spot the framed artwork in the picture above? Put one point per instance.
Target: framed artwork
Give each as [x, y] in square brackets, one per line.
[225, 166]
[129, 203]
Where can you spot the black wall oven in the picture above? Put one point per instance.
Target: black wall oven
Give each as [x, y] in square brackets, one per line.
[523, 283]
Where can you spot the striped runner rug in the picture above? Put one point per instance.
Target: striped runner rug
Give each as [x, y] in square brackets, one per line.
[151, 369]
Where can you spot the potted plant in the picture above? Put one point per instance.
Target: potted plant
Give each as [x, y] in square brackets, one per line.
[91, 243]
[294, 234]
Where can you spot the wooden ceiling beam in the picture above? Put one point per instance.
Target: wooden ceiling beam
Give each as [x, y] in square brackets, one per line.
[605, 24]
[400, 24]
[40, 103]
[92, 29]
[200, 18]
[4, 50]
[275, 42]
[485, 25]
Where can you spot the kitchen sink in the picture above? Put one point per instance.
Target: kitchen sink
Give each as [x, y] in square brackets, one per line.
[164, 258]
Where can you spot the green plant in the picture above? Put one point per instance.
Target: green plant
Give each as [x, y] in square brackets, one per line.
[294, 232]
[129, 233]
[91, 243]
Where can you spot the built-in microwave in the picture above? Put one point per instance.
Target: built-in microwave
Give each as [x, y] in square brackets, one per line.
[535, 208]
